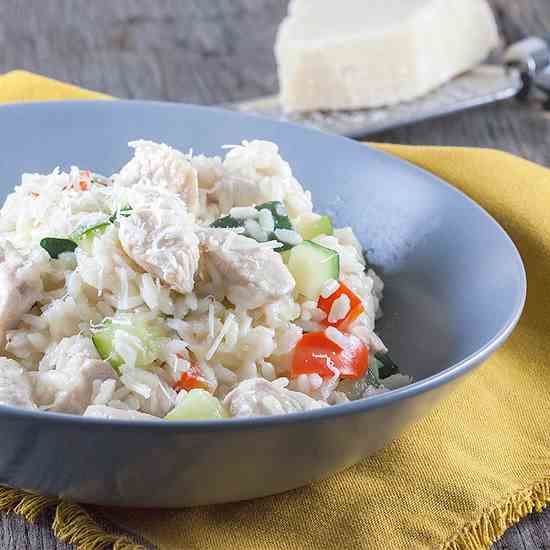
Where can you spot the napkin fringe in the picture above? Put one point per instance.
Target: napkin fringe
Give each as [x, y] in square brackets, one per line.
[481, 534]
[71, 524]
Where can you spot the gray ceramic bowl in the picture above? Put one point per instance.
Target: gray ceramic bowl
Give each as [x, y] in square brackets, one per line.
[455, 290]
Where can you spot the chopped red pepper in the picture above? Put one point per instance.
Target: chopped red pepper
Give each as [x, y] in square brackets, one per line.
[316, 354]
[191, 379]
[356, 307]
[85, 178]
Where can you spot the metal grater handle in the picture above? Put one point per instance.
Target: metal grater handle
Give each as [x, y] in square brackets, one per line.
[531, 56]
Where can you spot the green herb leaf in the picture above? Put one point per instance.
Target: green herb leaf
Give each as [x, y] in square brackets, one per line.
[227, 222]
[373, 377]
[84, 232]
[55, 246]
[124, 211]
[387, 367]
[280, 217]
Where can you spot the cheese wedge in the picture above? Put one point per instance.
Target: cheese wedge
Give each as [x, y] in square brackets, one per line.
[349, 54]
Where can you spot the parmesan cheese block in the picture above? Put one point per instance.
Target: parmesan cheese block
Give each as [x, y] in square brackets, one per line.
[349, 54]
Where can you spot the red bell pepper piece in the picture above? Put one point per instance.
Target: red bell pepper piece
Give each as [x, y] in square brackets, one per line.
[356, 307]
[191, 379]
[316, 354]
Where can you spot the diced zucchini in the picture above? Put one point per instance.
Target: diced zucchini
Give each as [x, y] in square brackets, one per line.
[198, 405]
[146, 336]
[55, 246]
[309, 229]
[103, 342]
[285, 254]
[312, 265]
[386, 366]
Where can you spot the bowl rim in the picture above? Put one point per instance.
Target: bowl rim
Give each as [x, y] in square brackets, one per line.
[334, 411]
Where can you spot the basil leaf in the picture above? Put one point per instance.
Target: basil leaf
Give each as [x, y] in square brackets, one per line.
[55, 246]
[388, 367]
[227, 222]
[373, 377]
[280, 218]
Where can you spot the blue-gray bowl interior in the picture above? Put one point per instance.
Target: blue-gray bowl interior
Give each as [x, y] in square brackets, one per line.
[455, 283]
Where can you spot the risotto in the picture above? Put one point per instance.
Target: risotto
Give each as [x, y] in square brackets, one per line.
[184, 287]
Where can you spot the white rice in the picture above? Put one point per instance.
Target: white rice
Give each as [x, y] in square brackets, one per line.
[288, 236]
[318, 315]
[199, 332]
[339, 309]
[268, 371]
[149, 292]
[330, 287]
[265, 218]
[243, 212]
[211, 320]
[253, 228]
[281, 382]
[218, 340]
[335, 336]
[105, 392]
[247, 371]
[272, 244]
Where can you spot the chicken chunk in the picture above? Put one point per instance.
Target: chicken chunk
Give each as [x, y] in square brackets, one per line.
[160, 237]
[15, 385]
[110, 413]
[256, 173]
[156, 396]
[20, 287]
[253, 275]
[73, 366]
[259, 397]
[164, 168]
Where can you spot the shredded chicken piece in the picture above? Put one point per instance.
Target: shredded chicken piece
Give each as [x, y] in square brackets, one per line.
[67, 387]
[15, 385]
[253, 275]
[158, 398]
[160, 237]
[111, 413]
[19, 287]
[163, 167]
[254, 172]
[259, 397]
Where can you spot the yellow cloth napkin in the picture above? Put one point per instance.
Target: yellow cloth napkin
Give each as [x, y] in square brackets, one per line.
[456, 480]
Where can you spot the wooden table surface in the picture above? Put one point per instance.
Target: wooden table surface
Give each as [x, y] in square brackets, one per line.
[210, 51]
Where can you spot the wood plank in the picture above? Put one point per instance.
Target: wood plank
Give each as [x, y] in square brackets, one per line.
[17, 534]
